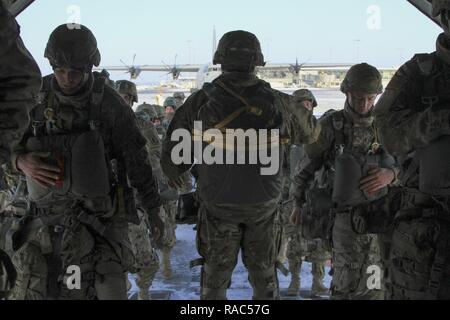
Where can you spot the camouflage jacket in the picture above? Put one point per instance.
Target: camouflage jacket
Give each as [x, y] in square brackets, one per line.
[20, 80]
[358, 139]
[117, 125]
[301, 125]
[415, 108]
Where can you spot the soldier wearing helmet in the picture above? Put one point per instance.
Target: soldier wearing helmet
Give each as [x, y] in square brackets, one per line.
[306, 98]
[294, 247]
[413, 119]
[348, 146]
[236, 212]
[80, 209]
[127, 91]
[170, 106]
[149, 122]
[179, 98]
[20, 81]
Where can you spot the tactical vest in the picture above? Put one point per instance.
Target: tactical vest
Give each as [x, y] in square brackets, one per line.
[81, 156]
[253, 108]
[350, 167]
[432, 162]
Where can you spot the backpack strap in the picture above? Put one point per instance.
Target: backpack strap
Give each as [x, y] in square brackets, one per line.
[247, 109]
[339, 137]
[426, 65]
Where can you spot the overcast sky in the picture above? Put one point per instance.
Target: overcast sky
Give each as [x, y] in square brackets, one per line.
[384, 33]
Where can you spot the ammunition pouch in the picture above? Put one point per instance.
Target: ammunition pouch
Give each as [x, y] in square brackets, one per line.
[377, 217]
[11, 231]
[187, 209]
[434, 167]
[316, 214]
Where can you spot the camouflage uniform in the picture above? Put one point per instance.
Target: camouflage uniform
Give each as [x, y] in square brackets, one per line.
[20, 80]
[169, 195]
[146, 263]
[297, 247]
[413, 117]
[170, 206]
[346, 133]
[90, 232]
[293, 246]
[230, 217]
[160, 128]
[169, 102]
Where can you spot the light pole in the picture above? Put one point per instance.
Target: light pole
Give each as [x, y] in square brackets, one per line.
[189, 48]
[357, 41]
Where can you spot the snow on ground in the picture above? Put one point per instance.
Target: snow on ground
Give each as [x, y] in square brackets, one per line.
[185, 284]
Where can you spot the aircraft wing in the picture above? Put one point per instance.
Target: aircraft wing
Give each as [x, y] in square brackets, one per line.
[152, 68]
[305, 66]
[181, 68]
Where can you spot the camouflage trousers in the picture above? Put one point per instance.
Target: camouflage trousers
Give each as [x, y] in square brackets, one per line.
[221, 236]
[294, 247]
[146, 259]
[357, 266]
[170, 238]
[63, 257]
[419, 267]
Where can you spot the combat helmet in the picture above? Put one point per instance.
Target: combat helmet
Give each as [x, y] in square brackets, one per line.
[148, 109]
[179, 95]
[239, 50]
[72, 48]
[127, 87]
[159, 111]
[442, 8]
[170, 102]
[303, 95]
[362, 78]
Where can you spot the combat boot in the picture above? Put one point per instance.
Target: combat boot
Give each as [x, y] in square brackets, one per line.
[318, 271]
[294, 286]
[318, 288]
[144, 295]
[166, 267]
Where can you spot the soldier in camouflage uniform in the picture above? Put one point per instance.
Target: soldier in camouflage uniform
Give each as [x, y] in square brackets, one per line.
[159, 110]
[179, 97]
[127, 91]
[146, 263]
[239, 204]
[20, 80]
[413, 118]
[170, 106]
[75, 219]
[295, 247]
[168, 195]
[170, 206]
[349, 145]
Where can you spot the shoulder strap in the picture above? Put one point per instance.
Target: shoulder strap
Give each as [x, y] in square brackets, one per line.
[248, 109]
[338, 126]
[95, 108]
